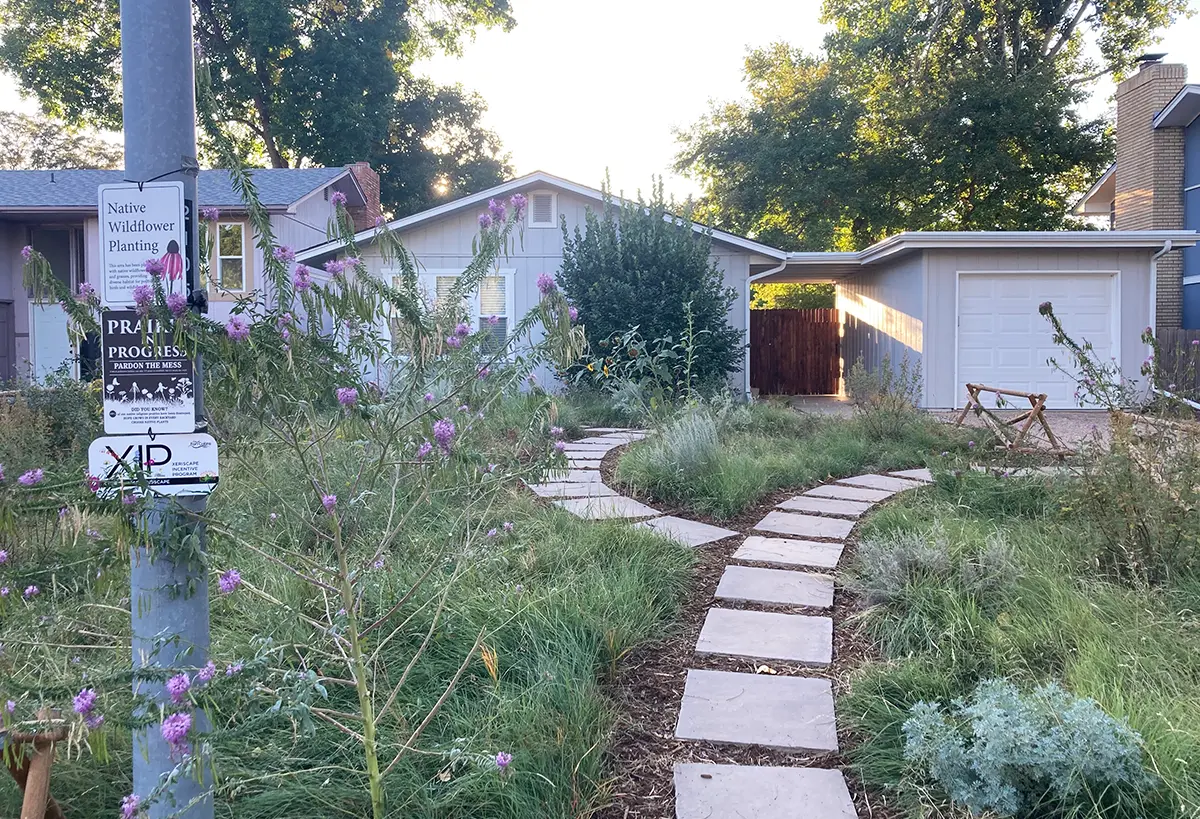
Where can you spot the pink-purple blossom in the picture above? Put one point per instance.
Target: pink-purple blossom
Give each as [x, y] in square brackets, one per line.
[484, 373]
[560, 447]
[302, 278]
[503, 760]
[573, 313]
[143, 297]
[329, 502]
[237, 329]
[462, 329]
[338, 198]
[4, 591]
[32, 591]
[206, 674]
[347, 396]
[32, 478]
[84, 702]
[229, 581]
[210, 214]
[3, 555]
[10, 706]
[177, 304]
[87, 291]
[155, 267]
[283, 253]
[130, 806]
[453, 341]
[485, 220]
[178, 686]
[546, 284]
[498, 210]
[423, 450]
[507, 526]
[491, 533]
[26, 252]
[428, 397]
[493, 320]
[443, 433]
[175, 728]
[335, 267]
[232, 669]
[518, 202]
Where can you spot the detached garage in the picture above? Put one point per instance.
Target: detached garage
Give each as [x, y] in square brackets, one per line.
[965, 305]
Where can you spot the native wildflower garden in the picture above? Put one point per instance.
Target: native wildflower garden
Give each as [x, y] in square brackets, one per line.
[401, 627]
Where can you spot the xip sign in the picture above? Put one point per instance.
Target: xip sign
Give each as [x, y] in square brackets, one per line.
[164, 464]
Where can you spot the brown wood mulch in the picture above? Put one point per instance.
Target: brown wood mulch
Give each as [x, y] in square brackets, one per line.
[648, 687]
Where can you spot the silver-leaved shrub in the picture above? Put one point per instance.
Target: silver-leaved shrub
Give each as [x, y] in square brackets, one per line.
[1044, 753]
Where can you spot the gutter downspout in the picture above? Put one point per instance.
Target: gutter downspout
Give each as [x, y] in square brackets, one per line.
[1166, 248]
[746, 359]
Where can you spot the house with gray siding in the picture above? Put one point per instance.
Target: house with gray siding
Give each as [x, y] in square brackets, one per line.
[55, 212]
[962, 305]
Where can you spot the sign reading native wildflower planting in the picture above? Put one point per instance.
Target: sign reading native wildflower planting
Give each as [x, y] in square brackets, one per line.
[148, 379]
[140, 222]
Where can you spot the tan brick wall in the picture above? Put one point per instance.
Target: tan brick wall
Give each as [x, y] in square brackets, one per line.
[1149, 177]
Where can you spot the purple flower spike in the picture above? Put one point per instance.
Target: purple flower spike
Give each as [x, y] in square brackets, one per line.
[428, 398]
[329, 502]
[86, 292]
[155, 267]
[423, 450]
[143, 297]
[485, 220]
[453, 341]
[338, 198]
[32, 591]
[26, 252]
[210, 214]
[175, 729]
[229, 581]
[347, 396]
[560, 447]
[237, 329]
[178, 686]
[130, 805]
[443, 433]
[84, 702]
[302, 278]
[518, 203]
[206, 674]
[573, 312]
[498, 210]
[463, 329]
[503, 760]
[284, 253]
[546, 284]
[508, 526]
[32, 478]
[491, 533]
[10, 706]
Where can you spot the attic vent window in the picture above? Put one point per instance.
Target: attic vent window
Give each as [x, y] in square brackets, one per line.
[542, 209]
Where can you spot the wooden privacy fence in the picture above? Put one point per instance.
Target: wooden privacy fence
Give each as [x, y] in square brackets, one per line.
[794, 352]
[1179, 359]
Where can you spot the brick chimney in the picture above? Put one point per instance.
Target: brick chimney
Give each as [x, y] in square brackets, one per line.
[368, 180]
[1149, 176]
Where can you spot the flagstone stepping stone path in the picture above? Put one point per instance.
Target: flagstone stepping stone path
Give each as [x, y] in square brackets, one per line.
[789, 552]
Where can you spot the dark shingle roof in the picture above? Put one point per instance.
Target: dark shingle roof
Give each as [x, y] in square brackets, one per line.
[277, 187]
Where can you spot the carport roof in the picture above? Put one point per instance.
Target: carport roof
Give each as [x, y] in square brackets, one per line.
[826, 267]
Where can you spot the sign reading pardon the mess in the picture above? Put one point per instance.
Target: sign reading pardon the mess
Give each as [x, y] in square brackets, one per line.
[148, 380]
[138, 224]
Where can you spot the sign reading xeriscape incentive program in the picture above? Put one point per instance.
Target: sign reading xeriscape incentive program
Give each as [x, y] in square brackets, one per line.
[147, 379]
[164, 464]
[137, 225]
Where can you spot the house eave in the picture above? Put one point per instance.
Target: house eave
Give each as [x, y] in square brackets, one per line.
[1182, 110]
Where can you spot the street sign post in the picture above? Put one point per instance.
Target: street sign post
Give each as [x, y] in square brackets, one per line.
[167, 465]
[139, 223]
[149, 383]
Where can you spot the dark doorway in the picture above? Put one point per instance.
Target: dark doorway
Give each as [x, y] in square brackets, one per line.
[8, 342]
[795, 352]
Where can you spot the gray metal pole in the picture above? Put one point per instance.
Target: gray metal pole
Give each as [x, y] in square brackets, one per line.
[169, 600]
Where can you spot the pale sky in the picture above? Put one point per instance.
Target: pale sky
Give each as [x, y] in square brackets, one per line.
[580, 87]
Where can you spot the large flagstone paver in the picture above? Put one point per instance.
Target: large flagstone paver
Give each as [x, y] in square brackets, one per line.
[584, 463]
[573, 476]
[687, 532]
[787, 523]
[854, 493]
[755, 585]
[592, 489]
[884, 482]
[763, 635]
[915, 475]
[784, 551]
[611, 441]
[826, 506]
[606, 507]
[753, 792]
[575, 446]
[784, 713]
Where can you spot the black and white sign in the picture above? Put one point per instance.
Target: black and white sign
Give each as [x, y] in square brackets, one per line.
[167, 464]
[138, 225]
[148, 381]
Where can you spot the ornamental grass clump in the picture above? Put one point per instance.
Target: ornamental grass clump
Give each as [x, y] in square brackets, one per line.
[1043, 753]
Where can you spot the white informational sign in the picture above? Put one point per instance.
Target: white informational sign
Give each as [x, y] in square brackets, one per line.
[167, 464]
[139, 224]
[148, 381]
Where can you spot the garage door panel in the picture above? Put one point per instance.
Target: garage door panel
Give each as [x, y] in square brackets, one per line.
[1004, 342]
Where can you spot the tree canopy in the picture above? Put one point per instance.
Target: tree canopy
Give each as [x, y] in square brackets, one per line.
[920, 115]
[28, 142]
[298, 82]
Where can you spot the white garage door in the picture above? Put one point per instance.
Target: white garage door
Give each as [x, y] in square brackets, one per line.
[1004, 342]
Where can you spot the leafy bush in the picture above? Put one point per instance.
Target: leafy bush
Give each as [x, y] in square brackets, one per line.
[791, 296]
[636, 266]
[1041, 753]
[885, 399]
[71, 409]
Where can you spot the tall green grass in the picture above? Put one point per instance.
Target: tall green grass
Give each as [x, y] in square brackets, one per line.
[1054, 616]
[777, 448]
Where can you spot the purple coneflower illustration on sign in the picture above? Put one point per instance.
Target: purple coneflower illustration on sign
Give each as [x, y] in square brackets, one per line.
[172, 264]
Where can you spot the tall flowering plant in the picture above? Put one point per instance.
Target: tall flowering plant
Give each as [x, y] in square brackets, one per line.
[358, 474]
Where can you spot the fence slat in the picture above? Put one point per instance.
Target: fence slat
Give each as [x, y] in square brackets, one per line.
[794, 352]
[1179, 359]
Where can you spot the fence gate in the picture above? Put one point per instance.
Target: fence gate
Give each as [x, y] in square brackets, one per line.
[794, 352]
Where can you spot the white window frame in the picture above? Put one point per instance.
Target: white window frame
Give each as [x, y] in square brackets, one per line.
[553, 223]
[427, 283]
[218, 257]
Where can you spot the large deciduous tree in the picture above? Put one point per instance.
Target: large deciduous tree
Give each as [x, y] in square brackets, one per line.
[296, 81]
[920, 115]
[28, 142]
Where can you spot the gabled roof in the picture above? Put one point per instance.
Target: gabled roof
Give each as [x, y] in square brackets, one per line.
[76, 189]
[1182, 110]
[530, 181]
[1099, 197]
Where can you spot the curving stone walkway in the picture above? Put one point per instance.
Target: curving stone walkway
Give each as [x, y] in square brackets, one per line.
[798, 541]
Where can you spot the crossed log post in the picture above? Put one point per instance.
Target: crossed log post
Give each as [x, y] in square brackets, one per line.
[1004, 428]
[29, 756]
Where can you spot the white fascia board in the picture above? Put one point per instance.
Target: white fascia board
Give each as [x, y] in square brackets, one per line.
[1180, 111]
[1083, 207]
[1032, 240]
[293, 207]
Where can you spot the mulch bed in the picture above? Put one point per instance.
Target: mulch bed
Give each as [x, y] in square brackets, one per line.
[648, 687]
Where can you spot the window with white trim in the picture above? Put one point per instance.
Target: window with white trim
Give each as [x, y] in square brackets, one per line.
[229, 257]
[490, 308]
[543, 209]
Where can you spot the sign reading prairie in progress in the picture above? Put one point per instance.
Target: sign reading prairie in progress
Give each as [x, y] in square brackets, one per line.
[139, 226]
[147, 379]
